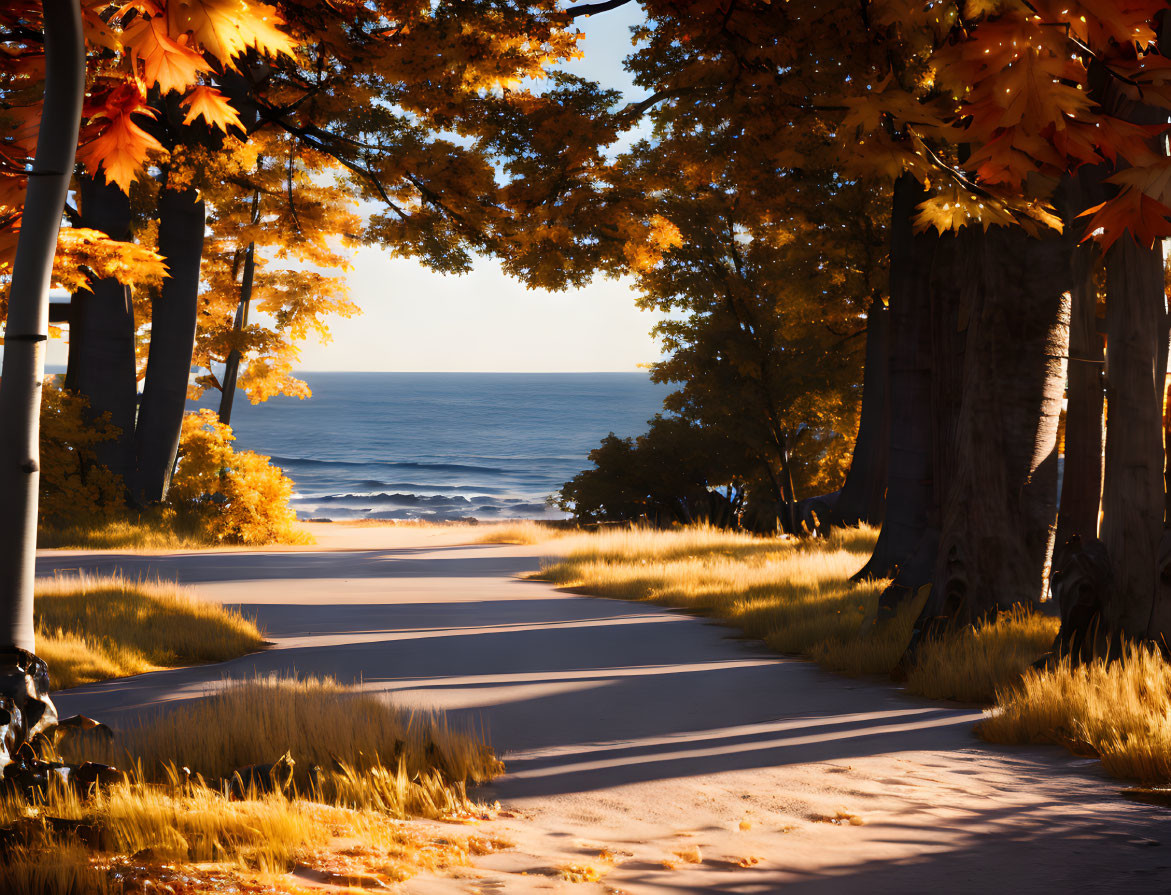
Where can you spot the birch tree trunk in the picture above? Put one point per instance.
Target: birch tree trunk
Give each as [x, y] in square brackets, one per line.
[28, 318]
[174, 315]
[101, 334]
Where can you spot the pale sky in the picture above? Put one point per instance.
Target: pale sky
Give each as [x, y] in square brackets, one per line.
[417, 320]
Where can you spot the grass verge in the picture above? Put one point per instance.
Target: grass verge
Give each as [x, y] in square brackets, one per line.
[147, 532]
[796, 596]
[1119, 712]
[339, 823]
[90, 628]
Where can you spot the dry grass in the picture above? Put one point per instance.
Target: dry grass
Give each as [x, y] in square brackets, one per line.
[1120, 712]
[793, 594]
[525, 531]
[205, 831]
[796, 596]
[369, 753]
[150, 532]
[972, 665]
[91, 628]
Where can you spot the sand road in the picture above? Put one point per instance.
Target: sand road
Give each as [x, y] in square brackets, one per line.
[701, 762]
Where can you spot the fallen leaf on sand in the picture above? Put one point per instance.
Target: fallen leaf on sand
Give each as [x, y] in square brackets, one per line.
[690, 855]
[842, 817]
[745, 825]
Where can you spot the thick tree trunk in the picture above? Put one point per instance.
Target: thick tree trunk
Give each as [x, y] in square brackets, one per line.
[232, 365]
[1132, 496]
[101, 333]
[909, 473]
[27, 327]
[172, 340]
[1000, 510]
[863, 496]
[1081, 484]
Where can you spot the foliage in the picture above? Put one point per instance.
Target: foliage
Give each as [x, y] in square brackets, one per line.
[74, 488]
[239, 495]
[667, 475]
[218, 494]
[91, 628]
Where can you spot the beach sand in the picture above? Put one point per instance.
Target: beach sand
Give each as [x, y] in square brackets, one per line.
[652, 749]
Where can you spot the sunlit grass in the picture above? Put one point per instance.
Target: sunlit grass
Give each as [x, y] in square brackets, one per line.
[361, 767]
[526, 531]
[147, 532]
[1119, 711]
[90, 628]
[796, 596]
[367, 752]
[973, 664]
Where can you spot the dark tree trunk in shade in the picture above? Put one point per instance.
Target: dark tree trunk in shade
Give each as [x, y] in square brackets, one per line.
[232, 365]
[1132, 494]
[101, 333]
[1000, 508]
[909, 473]
[863, 496]
[26, 329]
[1081, 483]
[172, 341]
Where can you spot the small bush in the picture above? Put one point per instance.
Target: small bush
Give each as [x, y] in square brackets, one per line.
[239, 496]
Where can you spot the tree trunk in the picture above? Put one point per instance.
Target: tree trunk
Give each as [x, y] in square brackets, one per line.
[863, 496]
[174, 315]
[999, 513]
[101, 333]
[1081, 483]
[1132, 495]
[909, 473]
[28, 318]
[232, 364]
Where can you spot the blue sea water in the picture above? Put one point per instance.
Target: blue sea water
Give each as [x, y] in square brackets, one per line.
[441, 445]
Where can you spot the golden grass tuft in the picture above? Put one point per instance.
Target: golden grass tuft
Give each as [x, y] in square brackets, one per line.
[1119, 711]
[146, 533]
[370, 754]
[90, 628]
[525, 531]
[973, 664]
[207, 831]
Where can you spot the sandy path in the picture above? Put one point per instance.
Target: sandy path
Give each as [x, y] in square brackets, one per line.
[648, 733]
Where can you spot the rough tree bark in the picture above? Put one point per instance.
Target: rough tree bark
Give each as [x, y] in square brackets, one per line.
[1081, 484]
[174, 313]
[101, 333]
[1132, 494]
[863, 496]
[1000, 509]
[28, 318]
[909, 474]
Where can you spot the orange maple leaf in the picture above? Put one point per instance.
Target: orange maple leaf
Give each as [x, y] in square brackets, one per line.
[120, 149]
[1147, 219]
[167, 62]
[213, 106]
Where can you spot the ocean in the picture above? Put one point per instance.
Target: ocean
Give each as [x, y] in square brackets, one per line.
[440, 446]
